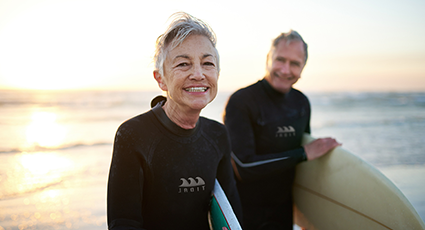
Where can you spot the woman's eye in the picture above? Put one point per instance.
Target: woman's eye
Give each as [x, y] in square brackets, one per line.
[183, 64]
[209, 63]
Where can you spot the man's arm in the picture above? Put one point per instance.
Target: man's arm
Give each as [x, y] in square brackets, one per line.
[250, 165]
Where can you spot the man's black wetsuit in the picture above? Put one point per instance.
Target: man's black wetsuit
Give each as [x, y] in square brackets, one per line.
[162, 175]
[266, 129]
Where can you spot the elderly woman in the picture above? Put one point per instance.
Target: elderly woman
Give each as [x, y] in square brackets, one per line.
[165, 161]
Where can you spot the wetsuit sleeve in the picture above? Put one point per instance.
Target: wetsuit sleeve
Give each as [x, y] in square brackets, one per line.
[250, 165]
[125, 185]
[307, 128]
[225, 177]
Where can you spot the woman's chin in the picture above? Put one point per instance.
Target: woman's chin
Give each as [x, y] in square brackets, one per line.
[199, 104]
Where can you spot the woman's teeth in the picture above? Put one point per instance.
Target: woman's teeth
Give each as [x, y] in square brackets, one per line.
[196, 89]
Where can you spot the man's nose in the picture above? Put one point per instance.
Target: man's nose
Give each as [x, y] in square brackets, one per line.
[285, 68]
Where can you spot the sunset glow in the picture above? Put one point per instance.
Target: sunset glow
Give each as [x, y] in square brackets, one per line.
[93, 44]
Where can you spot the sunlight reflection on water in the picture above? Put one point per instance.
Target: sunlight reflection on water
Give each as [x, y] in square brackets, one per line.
[62, 189]
[44, 131]
[30, 172]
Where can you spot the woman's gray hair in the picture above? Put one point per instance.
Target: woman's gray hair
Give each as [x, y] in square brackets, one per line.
[180, 28]
[290, 36]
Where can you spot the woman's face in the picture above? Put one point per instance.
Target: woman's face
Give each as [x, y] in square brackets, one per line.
[190, 74]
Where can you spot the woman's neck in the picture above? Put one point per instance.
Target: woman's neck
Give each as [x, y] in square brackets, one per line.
[186, 119]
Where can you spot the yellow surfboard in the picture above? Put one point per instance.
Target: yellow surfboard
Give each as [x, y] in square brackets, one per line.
[341, 191]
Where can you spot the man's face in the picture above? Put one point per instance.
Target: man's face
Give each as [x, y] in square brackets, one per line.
[285, 65]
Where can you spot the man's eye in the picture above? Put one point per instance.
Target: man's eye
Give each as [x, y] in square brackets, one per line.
[281, 59]
[295, 63]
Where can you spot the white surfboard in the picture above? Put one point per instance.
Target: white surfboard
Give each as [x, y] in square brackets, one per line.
[341, 191]
[221, 215]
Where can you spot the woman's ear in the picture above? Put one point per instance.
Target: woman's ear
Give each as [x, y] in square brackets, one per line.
[160, 79]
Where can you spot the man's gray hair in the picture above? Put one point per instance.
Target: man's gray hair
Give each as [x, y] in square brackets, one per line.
[290, 36]
[180, 28]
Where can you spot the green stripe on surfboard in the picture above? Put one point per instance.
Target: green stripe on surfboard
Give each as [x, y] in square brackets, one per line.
[218, 219]
[221, 215]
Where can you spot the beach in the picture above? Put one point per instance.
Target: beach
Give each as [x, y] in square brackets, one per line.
[56, 146]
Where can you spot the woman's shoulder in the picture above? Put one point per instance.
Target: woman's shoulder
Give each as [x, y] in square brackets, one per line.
[214, 131]
[211, 123]
[134, 123]
[212, 126]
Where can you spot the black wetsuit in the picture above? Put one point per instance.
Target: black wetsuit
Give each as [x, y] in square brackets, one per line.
[162, 175]
[266, 129]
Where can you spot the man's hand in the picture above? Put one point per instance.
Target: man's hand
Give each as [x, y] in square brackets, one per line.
[320, 147]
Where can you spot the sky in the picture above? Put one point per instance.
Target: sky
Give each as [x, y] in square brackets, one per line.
[364, 45]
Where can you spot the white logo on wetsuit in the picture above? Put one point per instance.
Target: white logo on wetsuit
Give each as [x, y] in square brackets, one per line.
[285, 131]
[192, 185]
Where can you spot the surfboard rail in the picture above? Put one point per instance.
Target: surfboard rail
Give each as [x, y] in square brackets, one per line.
[341, 191]
[221, 215]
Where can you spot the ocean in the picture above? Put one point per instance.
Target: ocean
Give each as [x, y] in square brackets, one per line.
[55, 147]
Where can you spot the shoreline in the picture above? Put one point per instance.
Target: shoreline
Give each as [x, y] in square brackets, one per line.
[79, 202]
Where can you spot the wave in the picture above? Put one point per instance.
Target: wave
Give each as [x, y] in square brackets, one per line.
[83, 99]
[71, 104]
[25, 182]
[372, 122]
[13, 193]
[348, 99]
[64, 147]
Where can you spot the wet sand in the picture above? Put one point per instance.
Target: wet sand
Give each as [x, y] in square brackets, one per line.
[78, 199]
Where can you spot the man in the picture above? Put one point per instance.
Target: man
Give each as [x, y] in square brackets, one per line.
[266, 122]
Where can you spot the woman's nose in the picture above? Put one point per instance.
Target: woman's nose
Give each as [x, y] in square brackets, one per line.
[197, 73]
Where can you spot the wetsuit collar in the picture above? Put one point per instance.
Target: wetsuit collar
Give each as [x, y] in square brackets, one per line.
[272, 92]
[170, 125]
